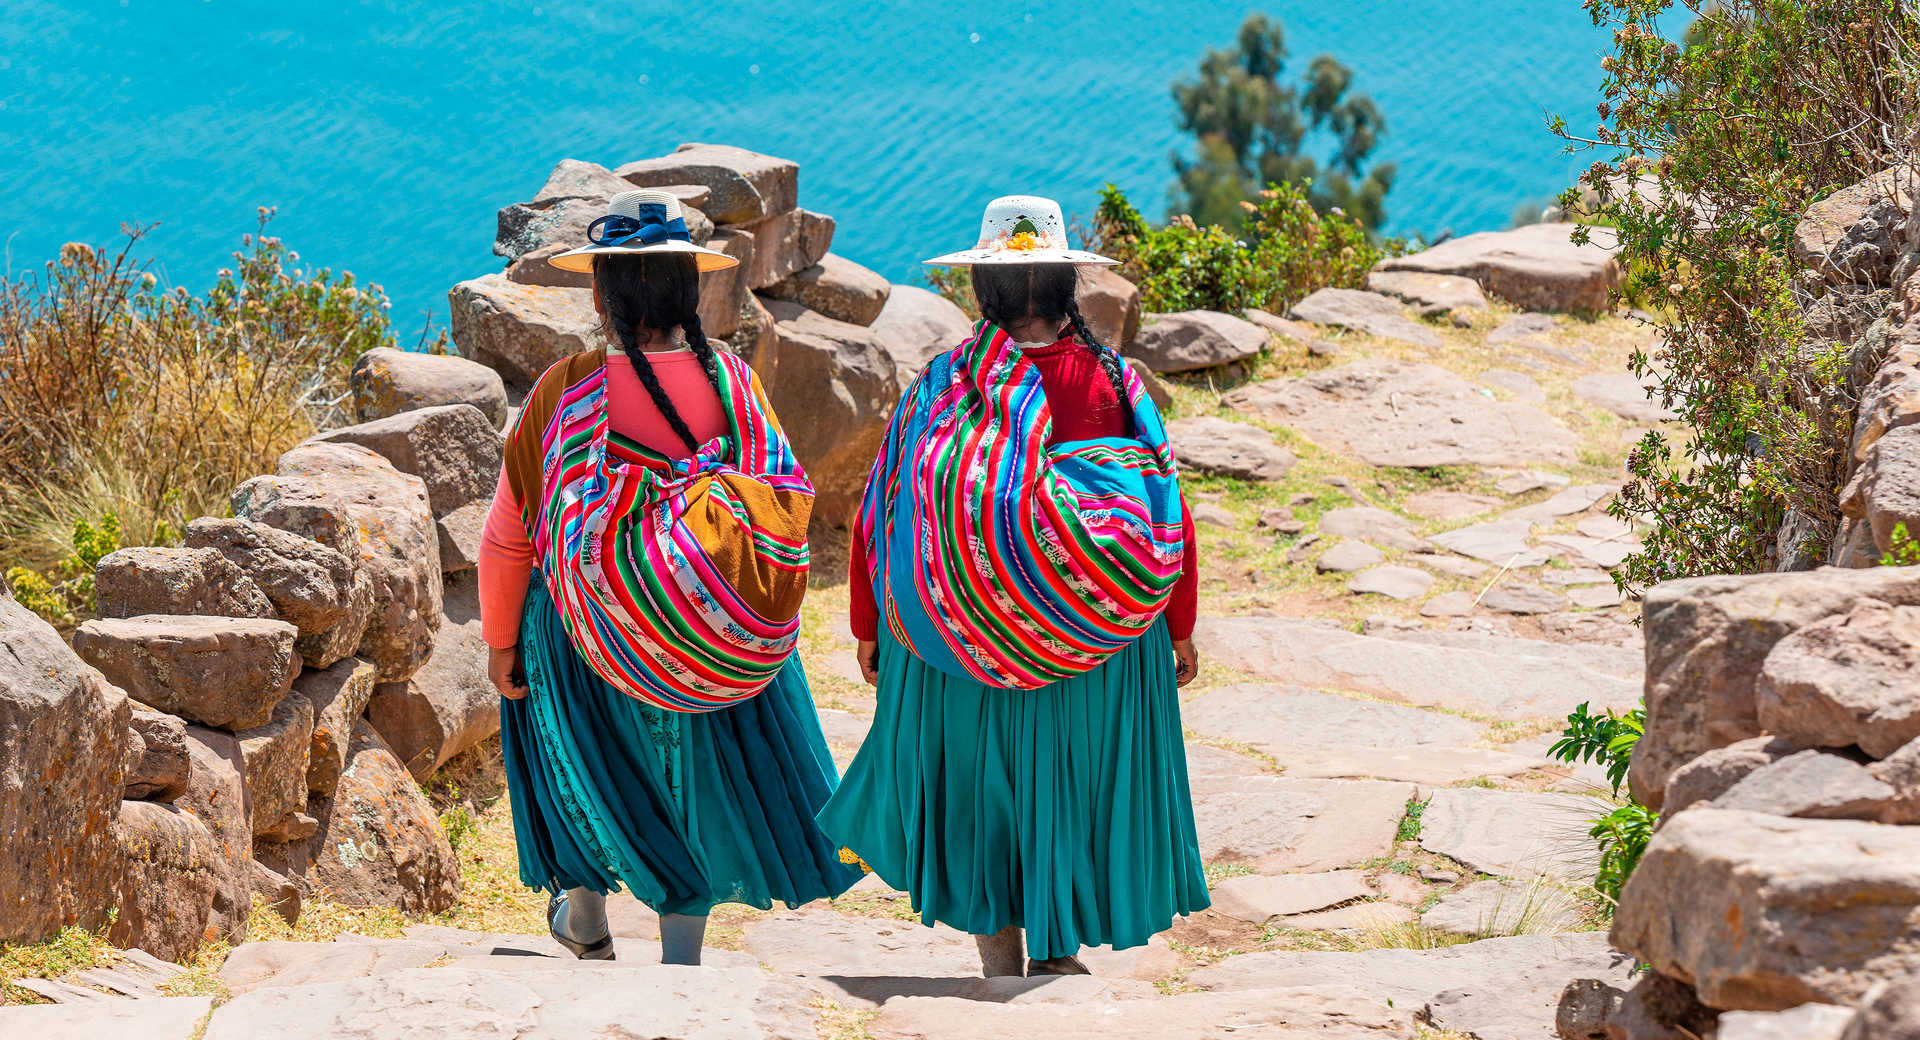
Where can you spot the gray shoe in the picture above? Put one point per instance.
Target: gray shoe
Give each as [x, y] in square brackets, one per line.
[600, 949]
[1001, 952]
[1057, 966]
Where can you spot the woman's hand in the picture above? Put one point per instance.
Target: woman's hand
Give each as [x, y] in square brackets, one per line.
[503, 670]
[868, 654]
[1186, 661]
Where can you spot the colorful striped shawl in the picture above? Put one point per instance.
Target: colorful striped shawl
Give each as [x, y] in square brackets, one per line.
[1003, 559]
[697, 605]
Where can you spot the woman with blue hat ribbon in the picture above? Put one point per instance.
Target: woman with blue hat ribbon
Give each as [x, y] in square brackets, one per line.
[641, 577]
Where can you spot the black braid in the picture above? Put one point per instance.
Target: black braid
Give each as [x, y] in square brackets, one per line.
[630, 345]
[1109, 360]
[658, 291]
[697, 339]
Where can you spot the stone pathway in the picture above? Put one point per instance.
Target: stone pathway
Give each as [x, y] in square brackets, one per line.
[1410, 580]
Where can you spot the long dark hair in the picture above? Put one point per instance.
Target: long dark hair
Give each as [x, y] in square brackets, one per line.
[1014, 292]
[658, 291]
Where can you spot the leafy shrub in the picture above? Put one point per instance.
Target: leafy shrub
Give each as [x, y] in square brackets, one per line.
[1904, 550]
[1716, 145]
[67, 589]
[1286, 250]
[1623, 831]
[124, 399]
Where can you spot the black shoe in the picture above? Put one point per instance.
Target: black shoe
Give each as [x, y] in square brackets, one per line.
[1056, 966]
[600, 949]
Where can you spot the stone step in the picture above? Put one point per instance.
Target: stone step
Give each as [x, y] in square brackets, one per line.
[1493, 676]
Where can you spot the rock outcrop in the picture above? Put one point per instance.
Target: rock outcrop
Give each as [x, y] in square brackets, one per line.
[1189, 340]
[1782, 745]
[836, 287]
[915, 325]
[1708, 640]
[313, 587]
[63, 745]
[225, 672]
[351, 500]
[833, 385]
[387, 382]
[1537, 267]
[519, 330]
[456, 452]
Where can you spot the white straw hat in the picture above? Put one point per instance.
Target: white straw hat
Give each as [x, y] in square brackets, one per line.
[1021, 229]
[644, 221]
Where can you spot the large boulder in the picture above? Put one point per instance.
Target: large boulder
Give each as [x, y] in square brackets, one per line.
[757, 340]
[1537, 267]
[217, 797]
[1209, 445]
[1846, 679]
[1367, 312]
[578, 179]
[1764, 913]
[743, 186]
[348, 498]
[535, 267]
[275, 756]
[228, 673]
[1716, 772]
[156, 760]
[339, 696]
[1430, 294]
[452, 448]
[519, 330]
[832, 386]
[387, 382]
[379, 842]
[63, 744]
[1855, 235]
[723, 292]
[836, 287]
[456, 452]
[1110, 304]
[170, 872]
[1885, 489]
[315, 588]
[449, 705]
[1889, 401]
[916, 325]
[1396, 413]
[784, 245]
[1812, 784]
[1707, 639]
[176, 580]
[1185, 341]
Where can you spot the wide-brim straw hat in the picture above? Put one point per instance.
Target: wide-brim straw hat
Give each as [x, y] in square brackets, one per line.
[1021, 229]
[643, 221]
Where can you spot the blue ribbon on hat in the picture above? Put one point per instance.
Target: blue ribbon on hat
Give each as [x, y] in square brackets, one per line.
[650, 227]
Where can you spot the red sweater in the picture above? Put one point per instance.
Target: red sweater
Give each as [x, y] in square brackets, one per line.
[1084, 407]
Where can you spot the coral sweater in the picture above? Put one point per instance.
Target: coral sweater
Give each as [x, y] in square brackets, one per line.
[506, 555]
[1084, 406]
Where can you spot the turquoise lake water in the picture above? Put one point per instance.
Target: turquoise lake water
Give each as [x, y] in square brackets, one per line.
[388, 133]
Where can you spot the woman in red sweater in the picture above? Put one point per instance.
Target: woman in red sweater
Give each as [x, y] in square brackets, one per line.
[1023, 582]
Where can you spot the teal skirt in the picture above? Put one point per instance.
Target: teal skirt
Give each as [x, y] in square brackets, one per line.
[684, 810]
[1064, 809]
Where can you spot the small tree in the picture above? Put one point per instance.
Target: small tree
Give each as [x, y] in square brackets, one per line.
[1252, 127]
